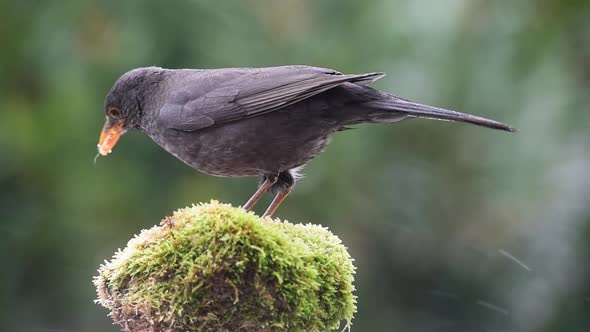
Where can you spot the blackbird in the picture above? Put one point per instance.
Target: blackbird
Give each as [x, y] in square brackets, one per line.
[266, 122]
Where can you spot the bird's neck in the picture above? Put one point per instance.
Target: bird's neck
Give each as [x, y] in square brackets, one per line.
[150, 100]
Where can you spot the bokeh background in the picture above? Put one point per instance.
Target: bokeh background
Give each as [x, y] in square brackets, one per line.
[453, 227]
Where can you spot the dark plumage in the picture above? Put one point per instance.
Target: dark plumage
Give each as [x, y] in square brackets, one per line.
[263, 122]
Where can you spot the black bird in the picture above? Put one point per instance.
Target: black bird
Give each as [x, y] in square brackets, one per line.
[265, 122]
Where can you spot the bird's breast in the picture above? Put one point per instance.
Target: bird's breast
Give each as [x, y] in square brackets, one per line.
[262, 145]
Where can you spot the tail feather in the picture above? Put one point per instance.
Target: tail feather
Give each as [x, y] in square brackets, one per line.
[412, 109]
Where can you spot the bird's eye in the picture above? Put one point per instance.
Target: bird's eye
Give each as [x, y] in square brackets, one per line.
[114, 113]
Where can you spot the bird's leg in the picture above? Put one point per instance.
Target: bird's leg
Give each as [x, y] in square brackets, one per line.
[279, 198]
[282, 188]
[287, 185]
[264, 187]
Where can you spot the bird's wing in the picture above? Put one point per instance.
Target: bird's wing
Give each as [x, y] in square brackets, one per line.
[233, 94]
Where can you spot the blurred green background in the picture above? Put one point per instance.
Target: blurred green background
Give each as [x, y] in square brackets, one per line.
[453, 227]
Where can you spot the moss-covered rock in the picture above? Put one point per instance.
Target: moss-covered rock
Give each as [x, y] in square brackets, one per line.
[213, 267]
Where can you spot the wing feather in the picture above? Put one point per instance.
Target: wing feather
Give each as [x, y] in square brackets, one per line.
[222, 97]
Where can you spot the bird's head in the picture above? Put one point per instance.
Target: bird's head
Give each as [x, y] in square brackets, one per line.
[123, 105]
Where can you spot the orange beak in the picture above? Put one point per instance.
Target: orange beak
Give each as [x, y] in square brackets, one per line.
[109, 137]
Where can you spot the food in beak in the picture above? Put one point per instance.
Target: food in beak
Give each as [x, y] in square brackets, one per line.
[109, 137]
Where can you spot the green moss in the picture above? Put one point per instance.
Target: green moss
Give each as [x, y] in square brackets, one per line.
[219, 268]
